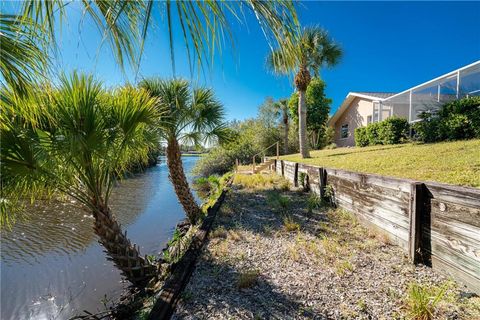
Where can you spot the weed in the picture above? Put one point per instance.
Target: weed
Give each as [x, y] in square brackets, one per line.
[293, 253]
[234, 235]
[247, 279]
[362, 306]
[342, 267]
[422, 301]
[313, 202]
[290, 225]
[284, 185]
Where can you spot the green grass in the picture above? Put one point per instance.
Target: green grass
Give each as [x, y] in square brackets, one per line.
[448, 162]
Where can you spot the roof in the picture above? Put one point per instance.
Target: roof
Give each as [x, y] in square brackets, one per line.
[381, 95]
[373, 96]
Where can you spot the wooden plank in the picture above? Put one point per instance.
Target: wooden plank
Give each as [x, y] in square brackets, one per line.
[417, 207]
[373, 193]
[454, 258]
[396, 229]
[397, 234]
[456, 212]
[382, 181]
[455, 194]
[472, 283]
[462, 246]
[375, 202]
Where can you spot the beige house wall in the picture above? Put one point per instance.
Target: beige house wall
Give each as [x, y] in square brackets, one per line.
[355, 116]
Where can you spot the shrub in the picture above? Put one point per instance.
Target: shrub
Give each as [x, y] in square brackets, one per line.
[456, 120]
[361, 138]
[393, 130]
[390, 131]
[372, 134]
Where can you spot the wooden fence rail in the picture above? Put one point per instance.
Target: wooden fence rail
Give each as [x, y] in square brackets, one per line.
[436, 224]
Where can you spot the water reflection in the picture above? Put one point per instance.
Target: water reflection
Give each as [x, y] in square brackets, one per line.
[53, 267]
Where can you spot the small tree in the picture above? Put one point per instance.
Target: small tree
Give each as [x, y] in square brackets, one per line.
[318, 108]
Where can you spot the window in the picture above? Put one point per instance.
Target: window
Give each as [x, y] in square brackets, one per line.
[344, 131]
[369, 119]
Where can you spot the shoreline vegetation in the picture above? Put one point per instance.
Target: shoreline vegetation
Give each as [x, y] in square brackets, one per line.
[277, 252]
[456, 162]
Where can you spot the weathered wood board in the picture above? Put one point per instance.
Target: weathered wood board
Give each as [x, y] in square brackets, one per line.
[452, 232]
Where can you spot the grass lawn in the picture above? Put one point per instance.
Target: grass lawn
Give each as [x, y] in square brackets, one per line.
[449, 162]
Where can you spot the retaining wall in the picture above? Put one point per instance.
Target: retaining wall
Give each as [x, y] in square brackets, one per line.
[436, 224]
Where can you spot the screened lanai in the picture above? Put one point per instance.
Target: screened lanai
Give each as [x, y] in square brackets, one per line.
[429, 96]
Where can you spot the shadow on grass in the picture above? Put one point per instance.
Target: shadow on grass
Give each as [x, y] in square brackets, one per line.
[356, 151]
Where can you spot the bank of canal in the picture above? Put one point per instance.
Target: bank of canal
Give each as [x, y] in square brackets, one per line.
[52, 266]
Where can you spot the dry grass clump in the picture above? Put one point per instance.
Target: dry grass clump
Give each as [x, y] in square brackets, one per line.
[260, 181]
[290, 225]
[234, 235]
[247, 279]
[342, 267]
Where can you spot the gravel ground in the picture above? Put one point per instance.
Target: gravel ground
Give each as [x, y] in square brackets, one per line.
[256, 265]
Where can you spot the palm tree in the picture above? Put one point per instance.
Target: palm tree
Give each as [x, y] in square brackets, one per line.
[76, 140]
[193, 116]
[281, 106]
[311, 50]
[28, 33]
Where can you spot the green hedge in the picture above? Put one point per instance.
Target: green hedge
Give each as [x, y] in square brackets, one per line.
[456, 120]
[390, 131]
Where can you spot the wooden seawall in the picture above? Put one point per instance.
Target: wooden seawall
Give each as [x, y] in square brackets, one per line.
[436, 224]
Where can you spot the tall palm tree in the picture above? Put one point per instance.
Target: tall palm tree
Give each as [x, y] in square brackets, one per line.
[76, 140]
[124, 25]
[281, 106]
[193, 116]
[312, 49]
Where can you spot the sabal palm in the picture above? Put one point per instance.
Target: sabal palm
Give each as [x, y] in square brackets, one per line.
[282, 109]
[192, 116]
[75, 140]
[124, 24]
[312, 49]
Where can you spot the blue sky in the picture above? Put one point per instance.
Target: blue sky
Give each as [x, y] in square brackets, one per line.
[388, 46]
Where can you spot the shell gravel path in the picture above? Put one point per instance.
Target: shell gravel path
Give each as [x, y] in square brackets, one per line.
[331, 268]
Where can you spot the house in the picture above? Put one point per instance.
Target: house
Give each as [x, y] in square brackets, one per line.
[362, 108]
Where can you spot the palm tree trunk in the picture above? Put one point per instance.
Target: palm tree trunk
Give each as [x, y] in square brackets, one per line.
[285, 137]
[124, 255]
[302, 124]
[179, 181]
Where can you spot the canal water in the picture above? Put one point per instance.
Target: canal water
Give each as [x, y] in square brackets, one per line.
[52, 266]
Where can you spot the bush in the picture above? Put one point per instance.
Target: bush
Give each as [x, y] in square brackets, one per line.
[372, 134]
[361, 138]
[456, 120]
[393, 130]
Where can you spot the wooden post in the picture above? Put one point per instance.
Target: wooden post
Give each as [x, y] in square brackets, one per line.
[283, 168]
[295, 175]
[253, 163]
[416, 208]
[275, 161]
[322, 181]
[278, 150]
